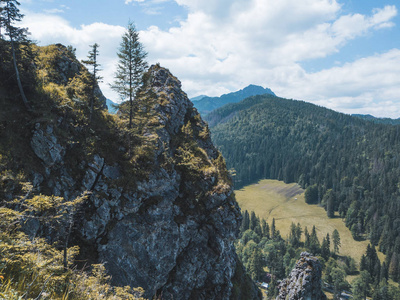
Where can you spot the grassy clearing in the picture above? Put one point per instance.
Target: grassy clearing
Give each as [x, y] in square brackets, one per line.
[285, 202]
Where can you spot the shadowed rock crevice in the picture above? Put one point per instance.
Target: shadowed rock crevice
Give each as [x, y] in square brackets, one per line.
[170, 231]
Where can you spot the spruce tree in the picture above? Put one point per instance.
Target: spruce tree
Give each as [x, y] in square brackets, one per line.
[93, 63]
[253, 220]
[315, 246]
[245, 221]
[265, 228]
[325, 253]
[330, 203]
[9, 15]
[131, 67]
[273, 229]
[256, 264]
[336, 241]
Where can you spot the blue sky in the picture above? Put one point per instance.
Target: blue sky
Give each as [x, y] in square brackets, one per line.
[344, 55]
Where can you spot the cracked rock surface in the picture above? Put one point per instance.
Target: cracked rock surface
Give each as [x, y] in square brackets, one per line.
[304, 282]
[172, 232]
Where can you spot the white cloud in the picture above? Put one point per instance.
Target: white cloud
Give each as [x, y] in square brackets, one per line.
[219, 50]
[53, 11]
[369, 85]
[129, 1]
[146, 1]
[224, 45]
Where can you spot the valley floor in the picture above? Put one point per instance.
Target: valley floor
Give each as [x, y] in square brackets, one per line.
[285, 202]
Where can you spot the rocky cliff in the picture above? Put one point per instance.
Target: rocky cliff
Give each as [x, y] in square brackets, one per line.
[161, 212]
[304, 282]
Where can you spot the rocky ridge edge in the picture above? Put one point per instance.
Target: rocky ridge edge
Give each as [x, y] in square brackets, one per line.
[169, 234]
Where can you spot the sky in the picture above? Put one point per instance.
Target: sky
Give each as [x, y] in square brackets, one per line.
[340, 54]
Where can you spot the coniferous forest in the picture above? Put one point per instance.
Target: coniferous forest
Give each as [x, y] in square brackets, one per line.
[346, 164]
[129, 167]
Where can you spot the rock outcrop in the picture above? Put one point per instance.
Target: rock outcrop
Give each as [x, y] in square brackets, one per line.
[304, 282]
[171, 231]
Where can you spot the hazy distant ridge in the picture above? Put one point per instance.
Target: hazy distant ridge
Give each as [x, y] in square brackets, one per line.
[205, 104]
[378, 120]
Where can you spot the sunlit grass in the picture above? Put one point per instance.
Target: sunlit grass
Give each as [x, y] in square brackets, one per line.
[285, 202]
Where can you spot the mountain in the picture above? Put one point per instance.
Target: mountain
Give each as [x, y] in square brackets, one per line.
[378, 120]
[206, 104]
[197, 98]
[159, 212]
[112, 106]
[346, 164]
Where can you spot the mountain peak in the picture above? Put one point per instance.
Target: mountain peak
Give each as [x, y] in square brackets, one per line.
[206, 104]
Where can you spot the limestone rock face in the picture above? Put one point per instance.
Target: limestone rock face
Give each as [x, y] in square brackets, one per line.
[304, 282]
[45, 146]
[172, 232]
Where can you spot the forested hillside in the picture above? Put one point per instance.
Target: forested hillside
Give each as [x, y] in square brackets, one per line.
[378, 120]
[205, 104]
[345, 163]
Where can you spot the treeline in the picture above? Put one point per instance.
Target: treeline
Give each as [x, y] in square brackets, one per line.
[268, 257]
[348, 165]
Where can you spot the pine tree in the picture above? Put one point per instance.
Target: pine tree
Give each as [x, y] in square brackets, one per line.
[299, 231]
[384, 272]
[256, 264]
[265, 229]
[361, 286]
[325, 252]
[363, 263]
[330, 203]
[92, 62]
[295, 234]
[315, 246]
[253, 220]
[273, 229]
[336, 241]
[339, 282]
[306, 238]
[245, 221]
[131, 67]
[328, 240]
[10, 14]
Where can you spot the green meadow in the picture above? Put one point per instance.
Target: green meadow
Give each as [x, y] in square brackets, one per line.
[285, 202]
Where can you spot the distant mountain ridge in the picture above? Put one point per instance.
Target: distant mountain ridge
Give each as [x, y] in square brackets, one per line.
[378, 120]
[198, 98]
[112, 106]
[350, 164]
[205, 104]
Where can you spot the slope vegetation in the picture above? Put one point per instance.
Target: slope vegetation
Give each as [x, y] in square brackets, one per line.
[348, 165]
[151, 206]
[272, 199]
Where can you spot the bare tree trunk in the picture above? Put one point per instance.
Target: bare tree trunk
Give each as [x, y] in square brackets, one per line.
[21, 90]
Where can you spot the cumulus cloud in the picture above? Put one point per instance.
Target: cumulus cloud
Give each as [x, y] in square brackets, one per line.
[369, 85]
[53, 11]
[219, 50]
[224, 45]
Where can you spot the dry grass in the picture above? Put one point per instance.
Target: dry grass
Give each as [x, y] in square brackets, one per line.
[285, 202]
